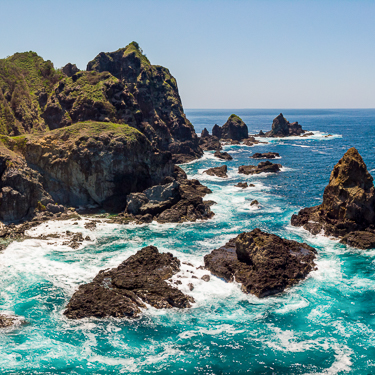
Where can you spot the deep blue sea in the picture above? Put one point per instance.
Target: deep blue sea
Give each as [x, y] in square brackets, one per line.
[325, 325]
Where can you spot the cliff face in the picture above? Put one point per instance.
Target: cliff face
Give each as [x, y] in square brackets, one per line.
[26, 80]
[86, 163]
[348, 201]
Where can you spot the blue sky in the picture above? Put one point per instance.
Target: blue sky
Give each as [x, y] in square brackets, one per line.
[224, 54]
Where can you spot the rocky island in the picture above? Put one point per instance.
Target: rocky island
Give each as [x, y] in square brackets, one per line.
[348, 208]
[281, 127]
[263, 263]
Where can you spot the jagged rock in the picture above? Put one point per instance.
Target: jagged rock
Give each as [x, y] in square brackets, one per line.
[7, 320]
[262, 167]
[123, 291]
[206, 278]
[348, 203]
[222, 155]
[191, 287]
[263, 263]
[254, 203]
[242, 185]
[234, 129]
[307, 134]
[174, 202]
[210, 143]
[265, 155]
[205, 133]
[70, 69]
[360, 239]
[55, 208]
[283, 128]
[217, 171]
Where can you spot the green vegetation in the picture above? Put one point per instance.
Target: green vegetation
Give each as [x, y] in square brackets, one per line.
[234, 117]
[94, 129]
[24, 79]
[16, 144]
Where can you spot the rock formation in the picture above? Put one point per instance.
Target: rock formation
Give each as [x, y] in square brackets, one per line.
[265, 155]
[121, 87]
[222, 155]
[264, 264]
[123, 291]
[281, 127]
[210, 143]
[348, 208]
[262, 167]
[174, 202]
[7, 320]
[217, 171]
[233, 129]
[205, 133]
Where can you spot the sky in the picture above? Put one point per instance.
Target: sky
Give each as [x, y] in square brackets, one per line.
[224, 54]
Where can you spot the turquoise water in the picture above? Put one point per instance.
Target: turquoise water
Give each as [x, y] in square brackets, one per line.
[325, 325]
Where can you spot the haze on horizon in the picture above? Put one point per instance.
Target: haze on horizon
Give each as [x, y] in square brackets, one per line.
[224, 54]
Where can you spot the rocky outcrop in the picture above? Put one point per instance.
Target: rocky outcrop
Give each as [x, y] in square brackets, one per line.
[123, 292]
[265, 155]
[264, 264]
[70, 69]
[222, 155]
[175, 202]
[244, 185]
[281, 127]
[205, 133]
[210, 143]
[348, 207]
[217, 171]
[7, 321]
[262, 167]
[233, 129]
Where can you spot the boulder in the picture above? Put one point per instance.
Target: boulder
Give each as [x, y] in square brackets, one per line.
[222, 155]
[123, 292]
[254, 203]
[217, 171]
[242, 185]
[348, 203]
[70, 69]
[262, 167]
[264, 264]
[265, 155]
[7, 320]
[281, 127]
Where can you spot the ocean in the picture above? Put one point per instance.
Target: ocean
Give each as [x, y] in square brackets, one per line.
[324, 325]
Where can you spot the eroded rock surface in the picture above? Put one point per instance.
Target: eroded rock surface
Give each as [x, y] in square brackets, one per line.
[265, 264]
[218, 171]
[262, 167]
[281, 127]
[123, 291]
[348, 208]
[265, 155]
[222, 155]
[234, 129]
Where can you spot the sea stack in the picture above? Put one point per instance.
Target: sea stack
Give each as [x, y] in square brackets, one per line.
[348, 208]
[234, 129]
[265, 264]
[281, 127]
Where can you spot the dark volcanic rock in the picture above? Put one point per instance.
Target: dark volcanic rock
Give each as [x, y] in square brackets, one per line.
[123, 291]
[348, 203]
[222, 155]
[254, 203]
[174, 202]
[262, 167]
[265, 155]
[263, 263]
[234, 129]
[281, 127]
[242, 185]
[8, 320]
[205, 133]
[217, 171]
[360, 239]
[210, 143]
[70, 69]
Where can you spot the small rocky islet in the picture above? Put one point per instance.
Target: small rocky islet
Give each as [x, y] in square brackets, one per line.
[111, 136]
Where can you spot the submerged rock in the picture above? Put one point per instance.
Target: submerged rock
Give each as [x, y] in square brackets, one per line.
[222, 155]
[7, 321]
[348, 207]
[262, 167]
[265, 155]
[123, 291]
[265, 264]
[217, 171]
[281, 127]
